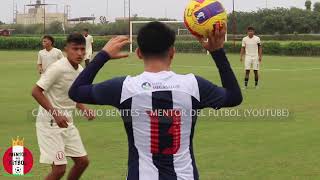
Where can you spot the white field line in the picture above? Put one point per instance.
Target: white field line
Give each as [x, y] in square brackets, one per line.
[235, 68]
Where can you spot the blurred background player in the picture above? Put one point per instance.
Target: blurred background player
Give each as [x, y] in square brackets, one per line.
[57, 135]
[252, 49]
[160, 130]
[89, 45]
[48, 55]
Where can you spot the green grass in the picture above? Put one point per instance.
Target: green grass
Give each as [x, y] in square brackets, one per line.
[282, 42]
[235, 148]
[290, 41]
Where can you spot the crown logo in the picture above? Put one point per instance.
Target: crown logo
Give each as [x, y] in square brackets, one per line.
[17, 142]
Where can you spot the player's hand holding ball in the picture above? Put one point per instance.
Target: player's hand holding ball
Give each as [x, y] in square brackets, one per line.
[200, 15]
[216, 38]
[115, 45]
[207, 19]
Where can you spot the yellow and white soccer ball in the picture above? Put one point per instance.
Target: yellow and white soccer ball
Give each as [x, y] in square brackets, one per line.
[200, 16]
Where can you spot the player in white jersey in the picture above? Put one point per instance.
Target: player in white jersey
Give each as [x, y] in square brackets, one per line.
[48, 55]
[57, 135]
[89, 45]
[252, 50]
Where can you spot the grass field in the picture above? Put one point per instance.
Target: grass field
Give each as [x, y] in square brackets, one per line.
[237, 148]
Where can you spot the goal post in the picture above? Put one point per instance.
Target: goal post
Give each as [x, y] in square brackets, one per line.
[180, 30]
[145, 22]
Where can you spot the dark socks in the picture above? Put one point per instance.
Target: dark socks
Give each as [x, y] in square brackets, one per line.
[256, 77]
[246, 80]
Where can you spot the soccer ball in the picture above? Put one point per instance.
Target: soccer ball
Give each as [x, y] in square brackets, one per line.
[201, 16]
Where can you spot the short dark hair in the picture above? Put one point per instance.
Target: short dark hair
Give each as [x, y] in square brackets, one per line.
[76, 38]
[86, 29]
[50, 38]
[250, 28]
[155, 39]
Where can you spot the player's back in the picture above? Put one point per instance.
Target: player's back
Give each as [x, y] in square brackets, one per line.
[159, 113]
[160, 126]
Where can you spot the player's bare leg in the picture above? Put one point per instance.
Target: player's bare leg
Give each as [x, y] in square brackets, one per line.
[256, 77]
[246, 79]
[57, 172]
[80, 165]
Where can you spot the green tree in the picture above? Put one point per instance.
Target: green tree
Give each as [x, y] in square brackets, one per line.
[308, 4]
[316, 7]
[33, 29]
[55, 28]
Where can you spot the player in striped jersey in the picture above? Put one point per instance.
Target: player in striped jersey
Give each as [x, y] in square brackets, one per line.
[159, 132]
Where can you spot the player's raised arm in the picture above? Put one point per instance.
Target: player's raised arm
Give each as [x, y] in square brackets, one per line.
[230, 95]
[83, 91]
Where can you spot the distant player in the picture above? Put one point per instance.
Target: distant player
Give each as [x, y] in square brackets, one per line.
[89, 45]
[57, 135]
[252, 49]
[48, 55]
[158, 106]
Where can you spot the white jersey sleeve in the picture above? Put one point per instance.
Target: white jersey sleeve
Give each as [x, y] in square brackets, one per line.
[39, 59]
[258, 41]
[49, 77]
[244, 42]
[60, 54]
[89, 41]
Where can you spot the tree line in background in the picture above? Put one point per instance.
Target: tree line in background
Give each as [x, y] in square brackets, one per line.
[269, 47]
[278, 20]
[112, 28]
[266, 21]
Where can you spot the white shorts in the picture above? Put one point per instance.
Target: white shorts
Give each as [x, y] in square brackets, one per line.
[58, 143]
[252, 62]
